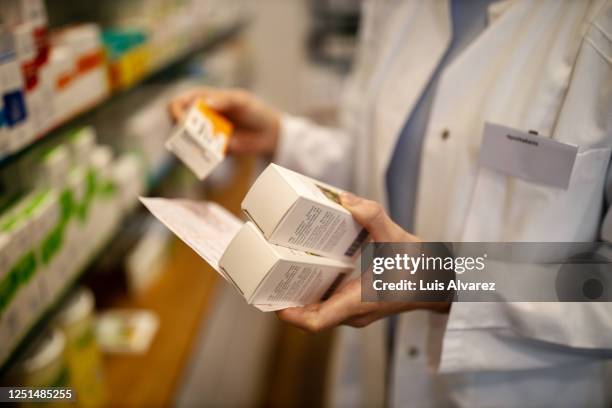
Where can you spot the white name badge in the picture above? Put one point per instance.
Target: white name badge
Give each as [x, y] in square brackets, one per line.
[527, 156]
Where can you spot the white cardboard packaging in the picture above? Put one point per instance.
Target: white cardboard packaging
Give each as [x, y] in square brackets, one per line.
[82, 145]
[268, 276]
[18, 312]
[13, 87]
[53, 169]
[128, 174]
[49, 276]
[6, 335]
[272, 277]
[201, 140]
[298, 212]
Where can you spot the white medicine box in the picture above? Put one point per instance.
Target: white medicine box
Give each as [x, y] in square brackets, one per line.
[201, 140]
[272, 277]
[301, 213]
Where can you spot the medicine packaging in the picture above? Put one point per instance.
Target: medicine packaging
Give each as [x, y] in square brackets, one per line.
[201, 140]
[273, 277]
[298, 212]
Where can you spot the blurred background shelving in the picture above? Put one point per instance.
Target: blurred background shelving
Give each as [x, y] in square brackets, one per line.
[83, 121]
[80, 72]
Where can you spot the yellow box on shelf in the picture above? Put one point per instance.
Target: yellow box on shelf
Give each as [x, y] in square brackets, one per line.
[131, 67]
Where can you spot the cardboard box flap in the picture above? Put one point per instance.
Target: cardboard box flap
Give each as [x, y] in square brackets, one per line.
[296, 256]
[268, 200]
[248, 259]
[313, 190]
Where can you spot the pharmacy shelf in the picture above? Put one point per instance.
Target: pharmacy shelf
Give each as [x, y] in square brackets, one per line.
[214, 38]
[154, 178]
[38, 324]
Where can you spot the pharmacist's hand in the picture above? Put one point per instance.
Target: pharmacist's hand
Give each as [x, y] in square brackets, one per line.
[373, 217]
[256, 124]
[345, 305]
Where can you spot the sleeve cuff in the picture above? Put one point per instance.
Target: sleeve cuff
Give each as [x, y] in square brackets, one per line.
[290, 129]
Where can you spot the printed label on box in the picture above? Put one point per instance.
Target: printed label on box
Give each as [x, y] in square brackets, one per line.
[201, 141]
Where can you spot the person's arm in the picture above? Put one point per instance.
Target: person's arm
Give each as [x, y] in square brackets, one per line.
[260, 129]
[323, 153]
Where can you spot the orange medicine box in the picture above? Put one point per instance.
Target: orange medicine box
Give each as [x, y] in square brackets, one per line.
[201, 140]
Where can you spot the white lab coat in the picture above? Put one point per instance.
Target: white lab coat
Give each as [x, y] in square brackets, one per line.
[541, 65]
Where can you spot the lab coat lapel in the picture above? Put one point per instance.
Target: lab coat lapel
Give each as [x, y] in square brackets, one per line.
[382, 22]
[503, 77]
[426, 32]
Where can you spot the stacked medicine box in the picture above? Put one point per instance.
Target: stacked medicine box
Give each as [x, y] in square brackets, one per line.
[298, 245]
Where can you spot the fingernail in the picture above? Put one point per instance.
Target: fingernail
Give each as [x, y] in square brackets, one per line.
[349, 199]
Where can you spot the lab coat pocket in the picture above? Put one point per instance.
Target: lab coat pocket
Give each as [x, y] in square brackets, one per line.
[506, 208]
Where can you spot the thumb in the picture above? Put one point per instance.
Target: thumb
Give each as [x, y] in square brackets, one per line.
[373, 217]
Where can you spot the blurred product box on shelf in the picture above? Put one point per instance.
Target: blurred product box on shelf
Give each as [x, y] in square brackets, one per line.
[25, 28]
[301, 213]
[130, 56]
[273, 277]
[145, 262]
[22, 288]
[144, 37]
[268, 276]
[43, 365]
[45, 77]
[68, 200]
[126, 331]
[33, 59]
[78, 69]
[84, 359]
[82, 144]
[145, 129]
[53, 168]
[5, 331]
[201, 139]
[14, 119]
[130, 179]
